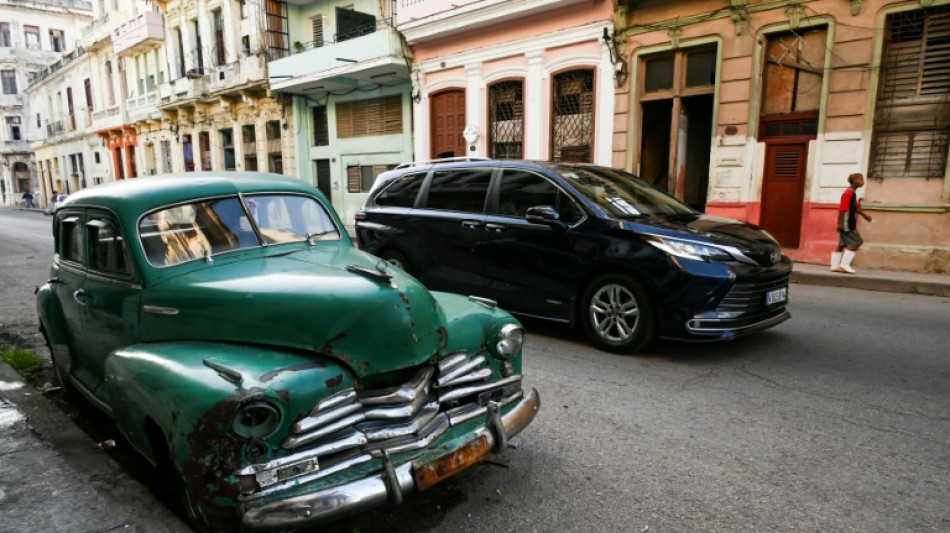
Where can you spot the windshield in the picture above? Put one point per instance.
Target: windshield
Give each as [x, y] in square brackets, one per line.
[191, 231]
[621, 194]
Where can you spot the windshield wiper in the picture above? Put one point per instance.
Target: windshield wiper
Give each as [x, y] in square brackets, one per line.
[313, 237]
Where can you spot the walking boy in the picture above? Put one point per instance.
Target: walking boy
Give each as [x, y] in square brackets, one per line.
[849, 240]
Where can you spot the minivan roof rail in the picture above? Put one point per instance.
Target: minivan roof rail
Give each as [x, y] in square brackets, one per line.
[442, 160]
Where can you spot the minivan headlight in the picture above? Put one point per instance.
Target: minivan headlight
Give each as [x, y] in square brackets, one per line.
[689, 249]
[509, 341]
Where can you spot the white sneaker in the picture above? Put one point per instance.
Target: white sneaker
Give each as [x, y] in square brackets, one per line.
[846, 269]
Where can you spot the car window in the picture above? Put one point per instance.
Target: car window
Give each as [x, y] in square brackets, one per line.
[70, 244]
[186, 232]
[107, 247]
[291, 218]
[621, 194]
[402, 191]
[459, 190]
[520, 189]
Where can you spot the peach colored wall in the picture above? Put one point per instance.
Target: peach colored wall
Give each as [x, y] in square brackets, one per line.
[547, 22]
[843, 144]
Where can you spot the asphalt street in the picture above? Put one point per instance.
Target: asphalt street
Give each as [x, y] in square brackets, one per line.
[836, 420]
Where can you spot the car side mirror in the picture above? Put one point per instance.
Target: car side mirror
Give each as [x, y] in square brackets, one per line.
[545, 214]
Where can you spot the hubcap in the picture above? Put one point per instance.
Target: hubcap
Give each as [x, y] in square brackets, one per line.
[614, 312]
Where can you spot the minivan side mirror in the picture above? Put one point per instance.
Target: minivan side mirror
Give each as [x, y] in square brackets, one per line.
[544, 214]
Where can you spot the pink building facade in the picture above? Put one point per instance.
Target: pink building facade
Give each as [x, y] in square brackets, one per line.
[528, 79]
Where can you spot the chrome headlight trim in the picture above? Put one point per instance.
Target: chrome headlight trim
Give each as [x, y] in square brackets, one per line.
[509, 341]
[257, 419]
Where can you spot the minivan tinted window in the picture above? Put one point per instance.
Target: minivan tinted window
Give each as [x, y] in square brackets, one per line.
[459, 190]
[621, 194]
[402, 191]
[520, 189]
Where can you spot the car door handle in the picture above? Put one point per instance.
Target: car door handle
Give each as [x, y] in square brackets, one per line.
[81, 297]
[471, 224]
[495, 227]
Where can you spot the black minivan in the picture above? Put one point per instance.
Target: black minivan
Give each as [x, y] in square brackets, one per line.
[579, 243]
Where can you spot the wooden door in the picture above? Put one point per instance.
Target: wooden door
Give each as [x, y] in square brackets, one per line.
[447, 123]
[783, 191]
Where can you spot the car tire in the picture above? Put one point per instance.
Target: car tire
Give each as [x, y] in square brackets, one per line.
[178, 492]
[618, 314]
[398, 259]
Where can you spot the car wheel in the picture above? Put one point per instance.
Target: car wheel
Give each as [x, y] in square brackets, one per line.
[398, 259]
[617, 314]
[178, 491]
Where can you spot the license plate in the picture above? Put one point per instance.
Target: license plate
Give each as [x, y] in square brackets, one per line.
[448, 465]
[777, 296]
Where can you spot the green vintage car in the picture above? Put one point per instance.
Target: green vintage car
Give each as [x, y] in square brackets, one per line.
[241, 343]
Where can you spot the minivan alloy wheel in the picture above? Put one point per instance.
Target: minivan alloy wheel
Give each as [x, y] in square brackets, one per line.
[618, 314]
[615, 313]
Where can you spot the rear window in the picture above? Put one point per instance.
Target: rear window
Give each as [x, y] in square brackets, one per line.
[459, 190]
[402, 191]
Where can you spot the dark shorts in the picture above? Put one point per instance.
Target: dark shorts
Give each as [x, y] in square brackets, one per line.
[849, 239]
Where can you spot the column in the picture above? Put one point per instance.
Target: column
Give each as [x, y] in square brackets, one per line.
[534, 116]
[473, 108]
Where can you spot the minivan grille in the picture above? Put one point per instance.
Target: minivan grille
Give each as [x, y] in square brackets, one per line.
[350, 428]
[749, 297]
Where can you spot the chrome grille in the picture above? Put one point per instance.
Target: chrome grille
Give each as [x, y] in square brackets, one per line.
[350, 428]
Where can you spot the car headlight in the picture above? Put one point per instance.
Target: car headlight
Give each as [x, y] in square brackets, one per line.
[689, 249]
[509, 341]
[256, 420]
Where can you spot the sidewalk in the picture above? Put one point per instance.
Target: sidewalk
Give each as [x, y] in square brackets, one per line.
[53, 477]
[873, 280]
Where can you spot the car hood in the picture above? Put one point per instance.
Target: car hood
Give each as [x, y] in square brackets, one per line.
[306, 300]
[748, 238]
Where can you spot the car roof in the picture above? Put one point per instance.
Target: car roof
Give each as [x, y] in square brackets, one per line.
[137, 195]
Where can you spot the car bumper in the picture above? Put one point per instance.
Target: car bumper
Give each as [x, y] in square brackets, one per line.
[395, 481]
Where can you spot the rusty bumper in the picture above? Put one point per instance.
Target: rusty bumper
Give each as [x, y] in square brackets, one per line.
[394, 481]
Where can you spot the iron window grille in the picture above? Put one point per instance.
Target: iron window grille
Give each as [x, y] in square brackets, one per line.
[506, 119]
[572, 122]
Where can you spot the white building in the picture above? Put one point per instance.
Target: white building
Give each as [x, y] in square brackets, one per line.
[215, 104]
[39, 35]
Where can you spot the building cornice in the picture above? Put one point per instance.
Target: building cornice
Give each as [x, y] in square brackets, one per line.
[473, 16]
[532, 46]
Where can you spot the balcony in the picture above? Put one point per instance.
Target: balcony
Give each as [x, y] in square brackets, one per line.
[369, 59]
[141, 33]
[421, 20]
[16, 146]
[249, 70]
[99, 32]
[109, 117]
[142, 108]
[182, 92]
[36, 77]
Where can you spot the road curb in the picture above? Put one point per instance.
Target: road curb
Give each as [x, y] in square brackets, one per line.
[883, 281]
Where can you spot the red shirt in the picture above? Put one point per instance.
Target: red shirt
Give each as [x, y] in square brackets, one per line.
[846, 200]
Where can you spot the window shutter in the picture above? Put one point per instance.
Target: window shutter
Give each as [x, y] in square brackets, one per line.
[353, 178]
[316, 26]
[374, 116]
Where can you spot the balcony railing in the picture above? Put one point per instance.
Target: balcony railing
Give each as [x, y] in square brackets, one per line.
[52, 68]
[144, 31]
[335, 65]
